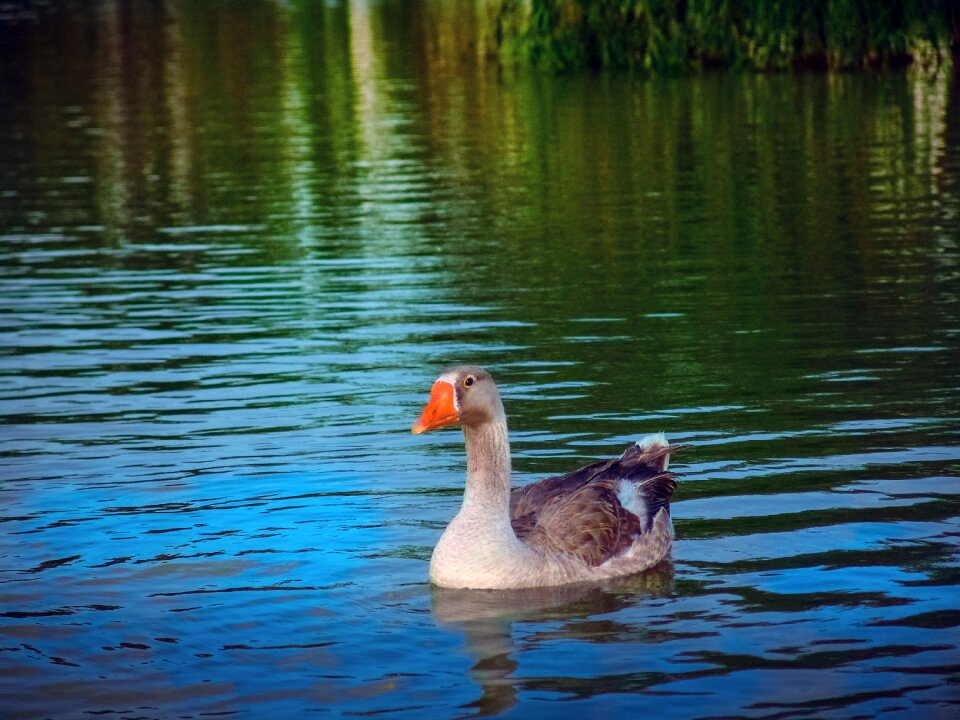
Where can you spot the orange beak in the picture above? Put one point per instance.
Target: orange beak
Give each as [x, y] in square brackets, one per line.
[440, 410]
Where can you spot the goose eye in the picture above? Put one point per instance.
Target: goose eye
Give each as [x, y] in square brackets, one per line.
[469, 380]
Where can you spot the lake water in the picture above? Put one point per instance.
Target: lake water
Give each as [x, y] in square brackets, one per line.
[238, 241]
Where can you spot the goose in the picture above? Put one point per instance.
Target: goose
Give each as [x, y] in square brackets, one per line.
[606, 520]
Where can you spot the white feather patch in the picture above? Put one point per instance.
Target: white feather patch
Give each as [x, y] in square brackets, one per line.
[450, 378]
[655, 440]
[631, 500]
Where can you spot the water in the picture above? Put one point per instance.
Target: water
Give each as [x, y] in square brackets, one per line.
[238, 243]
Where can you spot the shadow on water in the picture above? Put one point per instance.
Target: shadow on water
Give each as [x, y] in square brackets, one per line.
[489, 621]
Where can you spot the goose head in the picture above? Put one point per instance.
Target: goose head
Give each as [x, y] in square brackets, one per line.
[466, 395]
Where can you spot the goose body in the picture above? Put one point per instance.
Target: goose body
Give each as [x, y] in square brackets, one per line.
[605, 520]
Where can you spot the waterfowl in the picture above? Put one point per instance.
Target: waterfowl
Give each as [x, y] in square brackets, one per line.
[605, 520]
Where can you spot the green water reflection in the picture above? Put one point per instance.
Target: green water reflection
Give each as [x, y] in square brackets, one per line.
[322, 107]
[351, 130]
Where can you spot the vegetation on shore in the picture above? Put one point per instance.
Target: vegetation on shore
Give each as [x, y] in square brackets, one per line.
[683, 35]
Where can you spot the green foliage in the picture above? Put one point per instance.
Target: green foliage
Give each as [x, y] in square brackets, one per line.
[680, 35]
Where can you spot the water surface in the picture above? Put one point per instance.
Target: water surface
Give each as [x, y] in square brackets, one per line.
[237, 244]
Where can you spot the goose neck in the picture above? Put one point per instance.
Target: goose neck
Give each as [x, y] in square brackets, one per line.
[488, 466]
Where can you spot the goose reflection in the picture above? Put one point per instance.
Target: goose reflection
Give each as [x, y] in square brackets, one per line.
[487, 617]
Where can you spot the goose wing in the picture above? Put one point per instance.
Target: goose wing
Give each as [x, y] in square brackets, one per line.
[597, 512]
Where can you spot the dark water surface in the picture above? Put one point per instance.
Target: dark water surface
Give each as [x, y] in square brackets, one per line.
[239, 240]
